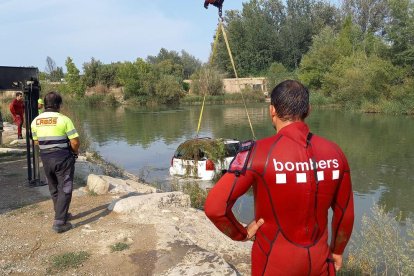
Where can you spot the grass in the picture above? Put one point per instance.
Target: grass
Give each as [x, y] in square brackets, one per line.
[381, 247]
[119, 246]
[92, 193]
[69, 260]
[197, 195]
[22, 208]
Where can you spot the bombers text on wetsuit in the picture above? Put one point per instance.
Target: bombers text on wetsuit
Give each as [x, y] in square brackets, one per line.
[296, 177]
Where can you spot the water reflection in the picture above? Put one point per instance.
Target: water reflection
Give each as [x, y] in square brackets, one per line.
[378, 147]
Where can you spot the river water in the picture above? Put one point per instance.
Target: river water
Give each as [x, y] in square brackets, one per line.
[379, 148]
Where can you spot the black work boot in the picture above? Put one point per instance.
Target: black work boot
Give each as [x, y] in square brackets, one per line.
[62, 227]
[69, 217]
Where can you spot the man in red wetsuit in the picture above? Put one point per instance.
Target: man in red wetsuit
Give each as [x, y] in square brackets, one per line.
[296, 177]
[17, 110]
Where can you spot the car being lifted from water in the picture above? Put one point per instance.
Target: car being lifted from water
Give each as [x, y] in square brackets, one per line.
[203, 158]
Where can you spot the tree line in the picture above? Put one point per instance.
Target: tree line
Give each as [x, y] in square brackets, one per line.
[358, 55]
[158, 79]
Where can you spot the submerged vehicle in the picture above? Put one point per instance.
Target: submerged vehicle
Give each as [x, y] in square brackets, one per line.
[203, 158]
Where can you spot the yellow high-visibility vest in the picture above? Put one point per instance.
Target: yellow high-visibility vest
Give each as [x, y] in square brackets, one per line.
[53, 131]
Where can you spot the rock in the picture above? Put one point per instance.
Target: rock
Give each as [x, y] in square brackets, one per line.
[198, 262]
[97, 185]
[155, 201]
[102, 184]
[18, 142]
[141, 188]
[10, 150]
[80, 192]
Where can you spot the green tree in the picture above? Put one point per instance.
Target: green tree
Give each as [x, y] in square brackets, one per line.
[359, 79]
[164, 54]
[90, 72]
[349, 38]
[168, 90]
[276, 74]
[207, 81]
[107, 75]
[168, 67]
[320, 58]
[269, 31]
[73, 79]
[369, 15]
[138, 80]
[400, 32]
[190, 64]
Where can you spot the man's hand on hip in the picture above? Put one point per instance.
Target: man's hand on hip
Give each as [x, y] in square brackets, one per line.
[337, 261]
[252, 229]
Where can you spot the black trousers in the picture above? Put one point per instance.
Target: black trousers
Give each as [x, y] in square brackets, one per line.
[59, 171]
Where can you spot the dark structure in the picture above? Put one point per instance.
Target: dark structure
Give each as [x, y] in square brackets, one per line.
[11, 76]
[26, 80]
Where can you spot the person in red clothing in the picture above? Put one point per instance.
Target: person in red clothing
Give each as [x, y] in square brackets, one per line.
[296, 178]
[17, 110]
[216, 3]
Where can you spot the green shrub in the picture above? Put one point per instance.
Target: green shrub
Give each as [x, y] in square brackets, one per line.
[276, 74]
[69, 260]
[207, 80]
[359, 79]
[197, 195]
[168, 90]
[318, 99]
[119, 246]
[381, 247]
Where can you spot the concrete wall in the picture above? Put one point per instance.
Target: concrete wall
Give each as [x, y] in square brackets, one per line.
[236, 85]
[231, 86]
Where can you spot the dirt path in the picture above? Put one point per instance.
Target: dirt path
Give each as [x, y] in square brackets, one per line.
[28, 243]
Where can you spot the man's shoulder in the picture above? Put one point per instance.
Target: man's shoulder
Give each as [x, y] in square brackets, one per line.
[322, 140]
[268, 140]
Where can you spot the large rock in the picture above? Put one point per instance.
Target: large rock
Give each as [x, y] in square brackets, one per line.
[12, 150]
[97, 185]
[141, 188]
[103, 184]
[156, 201]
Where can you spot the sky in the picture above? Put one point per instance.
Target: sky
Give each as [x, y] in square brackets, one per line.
[107, 30]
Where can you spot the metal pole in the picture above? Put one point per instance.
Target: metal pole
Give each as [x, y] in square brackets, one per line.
[26, 117]
[1, 129]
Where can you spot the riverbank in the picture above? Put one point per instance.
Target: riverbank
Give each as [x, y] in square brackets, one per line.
[127, 229]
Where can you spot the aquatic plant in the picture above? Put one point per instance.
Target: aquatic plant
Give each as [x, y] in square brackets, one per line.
[381, 248]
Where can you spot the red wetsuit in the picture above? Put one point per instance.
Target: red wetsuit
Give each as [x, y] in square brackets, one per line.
[282, 170]
[17, 110]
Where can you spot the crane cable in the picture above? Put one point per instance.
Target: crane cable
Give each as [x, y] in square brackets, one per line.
[221, 27]
[237, 77]
[210, 62]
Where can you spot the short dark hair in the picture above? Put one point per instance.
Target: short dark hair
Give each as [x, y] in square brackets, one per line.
[19, 94]
[290, 98]
[53, 100]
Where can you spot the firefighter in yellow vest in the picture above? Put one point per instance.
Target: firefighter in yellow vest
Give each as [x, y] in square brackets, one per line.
[59, 143]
